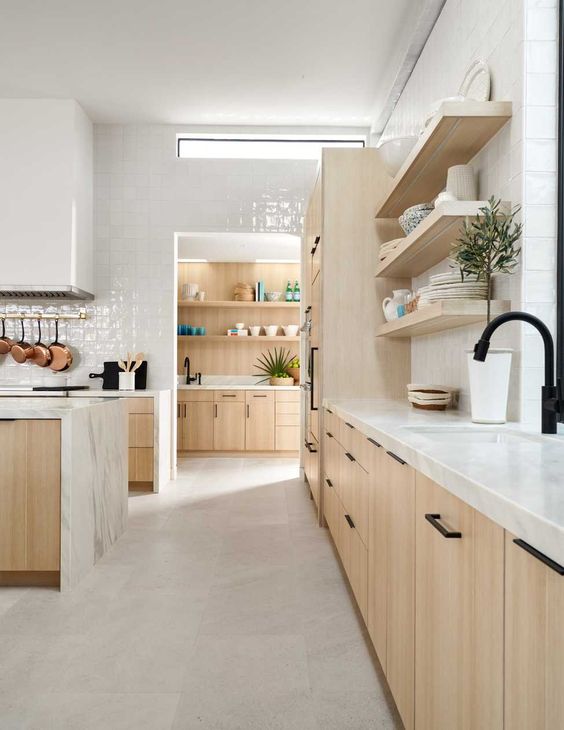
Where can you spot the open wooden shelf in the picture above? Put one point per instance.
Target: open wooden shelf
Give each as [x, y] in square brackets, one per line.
[227, 338]
[457, 133]
[439, 316]
[238, 305]
[431, 241]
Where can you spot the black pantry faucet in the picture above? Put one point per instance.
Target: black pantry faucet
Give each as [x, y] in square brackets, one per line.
[551, 394]
[197, 376]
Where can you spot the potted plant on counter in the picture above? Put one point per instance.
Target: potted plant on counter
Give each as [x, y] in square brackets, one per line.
[274, 366]
[488, 246]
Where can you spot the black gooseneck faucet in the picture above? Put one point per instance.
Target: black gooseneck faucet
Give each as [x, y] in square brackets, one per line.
[197, 376]
[551, 393]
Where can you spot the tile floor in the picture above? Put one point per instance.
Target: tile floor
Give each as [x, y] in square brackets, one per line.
[223, 607]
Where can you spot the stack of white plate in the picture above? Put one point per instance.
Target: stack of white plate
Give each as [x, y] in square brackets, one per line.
[389, 247]
[431, 397]
[450, 286]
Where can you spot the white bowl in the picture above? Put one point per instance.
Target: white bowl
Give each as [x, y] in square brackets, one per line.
[255, 330]
[273, 296]
[271, 330]
[291, 330]
[395, 151]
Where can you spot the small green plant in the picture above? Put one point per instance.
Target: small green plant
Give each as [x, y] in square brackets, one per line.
[274, 365]
[487, 245]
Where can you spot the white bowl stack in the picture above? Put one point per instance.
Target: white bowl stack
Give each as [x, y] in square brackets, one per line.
[431, 397]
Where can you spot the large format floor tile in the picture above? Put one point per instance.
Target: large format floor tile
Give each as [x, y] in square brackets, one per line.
[222, 607]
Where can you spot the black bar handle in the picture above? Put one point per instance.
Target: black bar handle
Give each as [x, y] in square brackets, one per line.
[396, 457]
[349, 520]
[229, 395]
[350, 457]
[308, 446]
[374, 442]
[312, 378]
[315, 244]
[552, 564]
[329, 434]
[329, 411]
[329, 482]
[434, 520]
[349, 425]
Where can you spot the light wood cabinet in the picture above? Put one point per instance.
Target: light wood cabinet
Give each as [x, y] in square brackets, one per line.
[30, 496]
[312, 467]
[377, 550]
[399, 479]
[197, 426]
[141, 421]
[141, 430]
[229, 426]
[459, 619]
[534, 639]
[141, 466]
[259, 425]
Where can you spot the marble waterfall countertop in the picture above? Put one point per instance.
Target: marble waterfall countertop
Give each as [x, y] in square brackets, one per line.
[227, 386]
[518, 483]
[94, 443]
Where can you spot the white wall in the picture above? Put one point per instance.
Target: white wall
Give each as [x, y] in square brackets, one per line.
[142, 195]
[517, 38]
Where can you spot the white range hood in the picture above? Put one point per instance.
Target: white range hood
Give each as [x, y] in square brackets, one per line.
[46, 177]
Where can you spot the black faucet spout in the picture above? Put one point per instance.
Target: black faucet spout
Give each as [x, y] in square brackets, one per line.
[552, 401]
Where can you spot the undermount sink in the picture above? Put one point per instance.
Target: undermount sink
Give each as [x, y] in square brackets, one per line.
[469, 434]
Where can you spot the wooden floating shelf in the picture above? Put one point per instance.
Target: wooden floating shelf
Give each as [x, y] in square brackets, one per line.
[439, 316]
[245, 338]
[238, 305]
[431, 241]
[459, 130]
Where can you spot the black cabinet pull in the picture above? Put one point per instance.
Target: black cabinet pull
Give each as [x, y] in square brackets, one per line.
[349, 520]
[396, 457]
[215, 410]
[229, 395]
[349, 425]
[328, 411]
[312, 407]
[329, 434]
[248, 411]
[308, 446]
[434, 520]
[552, 564]
[350, 457]
[374, 442]
[315, 244]
[329, 482]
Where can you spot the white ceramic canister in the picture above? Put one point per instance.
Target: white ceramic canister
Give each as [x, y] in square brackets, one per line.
[126, 381]
[461, 182]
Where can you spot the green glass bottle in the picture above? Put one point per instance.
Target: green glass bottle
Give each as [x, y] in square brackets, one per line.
[289, 292]
[296, 291]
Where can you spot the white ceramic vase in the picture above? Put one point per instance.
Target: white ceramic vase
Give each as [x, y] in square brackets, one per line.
[461, 182]
[489, 386]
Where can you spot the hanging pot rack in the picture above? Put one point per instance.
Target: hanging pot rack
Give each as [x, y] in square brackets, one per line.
[80, 314]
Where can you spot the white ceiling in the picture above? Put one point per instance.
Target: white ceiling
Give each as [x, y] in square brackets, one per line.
[238, 246]
[311, 62]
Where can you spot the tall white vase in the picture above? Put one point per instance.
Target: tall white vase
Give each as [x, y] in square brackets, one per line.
[489, 386]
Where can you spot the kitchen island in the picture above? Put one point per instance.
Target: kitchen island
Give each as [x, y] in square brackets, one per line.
[63, 487]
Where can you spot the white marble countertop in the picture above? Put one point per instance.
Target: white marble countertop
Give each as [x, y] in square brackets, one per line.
[30, 408]
[519, 484]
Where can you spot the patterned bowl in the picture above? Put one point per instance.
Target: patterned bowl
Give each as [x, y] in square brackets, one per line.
[412, 217]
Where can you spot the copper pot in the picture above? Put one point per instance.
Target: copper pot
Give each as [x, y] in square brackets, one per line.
[41, 355]
[5, 342]
[22, 350]
[61, 355]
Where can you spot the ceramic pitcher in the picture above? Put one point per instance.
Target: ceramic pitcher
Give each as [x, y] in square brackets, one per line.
[390, 304]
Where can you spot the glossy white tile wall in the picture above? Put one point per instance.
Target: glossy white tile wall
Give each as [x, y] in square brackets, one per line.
[518, 40]
[143, 195]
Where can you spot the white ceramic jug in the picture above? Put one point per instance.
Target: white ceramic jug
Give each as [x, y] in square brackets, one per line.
[390, 304]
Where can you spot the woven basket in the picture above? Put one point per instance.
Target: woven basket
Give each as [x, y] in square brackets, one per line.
[294, 373]
[280, 381]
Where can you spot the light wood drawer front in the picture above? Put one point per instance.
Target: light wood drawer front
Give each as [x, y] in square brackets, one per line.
[194, 396]
[140, 405]
[259, 396]
[141, 467]
[287, 396]
[287, 419]
[287, 438]
[331, 423]
[229, 396]
[346, 435]
[141, 430]
[293, 408]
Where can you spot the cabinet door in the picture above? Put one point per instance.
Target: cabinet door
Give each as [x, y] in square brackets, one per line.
[13, 495]
[358, 570]
[459, 620]
[400, 645]
[197, 426]
[259, 428]
[229, 426]
[534, 640]
[377, 550]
